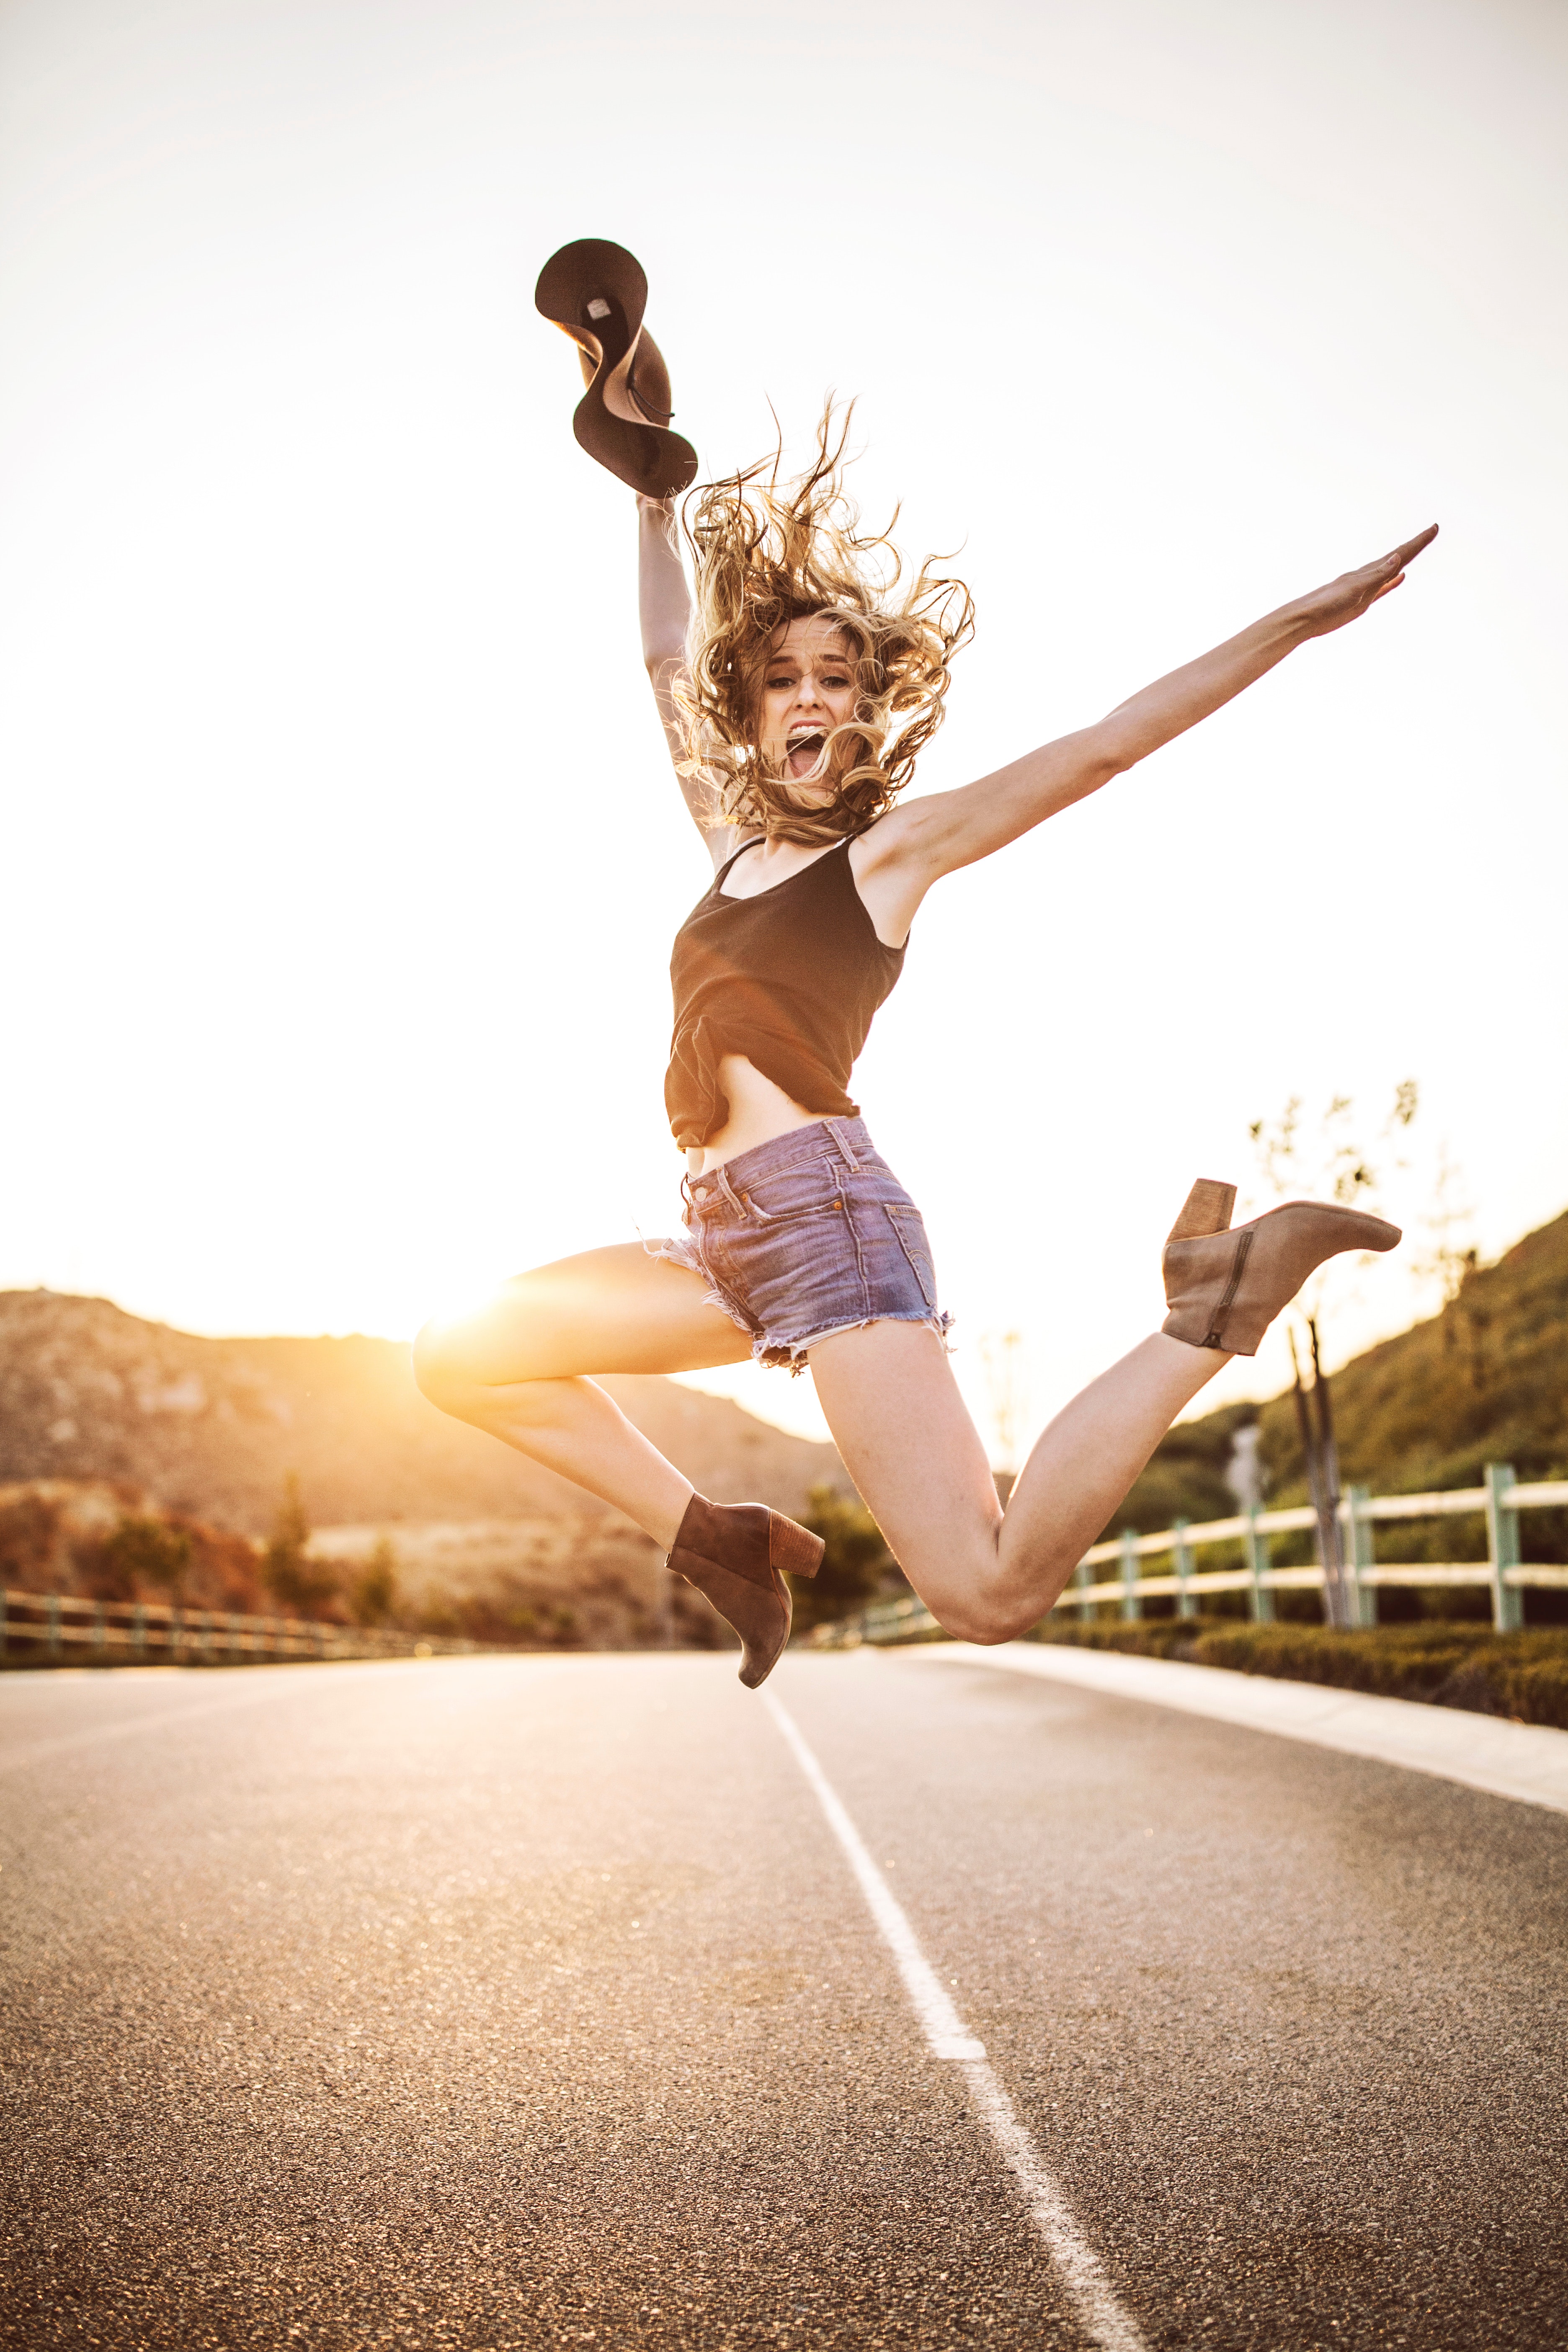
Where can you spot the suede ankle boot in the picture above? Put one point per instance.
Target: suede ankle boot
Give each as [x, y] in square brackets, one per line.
[733, 1552]
[1225, 1288]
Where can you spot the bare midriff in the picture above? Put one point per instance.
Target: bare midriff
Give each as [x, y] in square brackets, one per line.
[757, 1112]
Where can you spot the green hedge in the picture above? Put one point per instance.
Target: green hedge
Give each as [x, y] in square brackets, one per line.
[1523, 1676]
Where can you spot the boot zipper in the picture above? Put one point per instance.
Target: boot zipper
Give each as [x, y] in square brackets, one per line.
[1243, 1246]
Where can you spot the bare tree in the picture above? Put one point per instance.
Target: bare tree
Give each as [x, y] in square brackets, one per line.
[1331, 1160]
[1447, 1255]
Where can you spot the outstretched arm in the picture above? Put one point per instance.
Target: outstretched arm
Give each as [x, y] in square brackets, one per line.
[934, 836]
[664, 607]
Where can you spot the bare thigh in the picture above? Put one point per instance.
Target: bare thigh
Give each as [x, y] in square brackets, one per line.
[605, 1310]
[907, 1441]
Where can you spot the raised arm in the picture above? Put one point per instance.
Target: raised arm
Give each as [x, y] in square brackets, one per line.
[664, 608]
[930, 837]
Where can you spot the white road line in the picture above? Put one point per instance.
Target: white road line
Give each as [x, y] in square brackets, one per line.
[1102, 2317]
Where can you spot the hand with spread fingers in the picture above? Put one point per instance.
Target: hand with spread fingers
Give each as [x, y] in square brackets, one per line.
[1348, 597]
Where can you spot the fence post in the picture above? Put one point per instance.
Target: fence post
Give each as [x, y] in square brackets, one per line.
[1363, 1555]
[1258, 1595]
[1081, 1578]
[1132, 1600]
[1502, 1548]
[2, 1621]
[52, 1621]
[1185, 1605]
[100, 1634]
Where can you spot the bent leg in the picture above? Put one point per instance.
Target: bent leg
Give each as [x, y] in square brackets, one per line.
[516, 1367]
[909, 1445]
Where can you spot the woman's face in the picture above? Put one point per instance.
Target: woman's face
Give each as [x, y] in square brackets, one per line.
[809, 687]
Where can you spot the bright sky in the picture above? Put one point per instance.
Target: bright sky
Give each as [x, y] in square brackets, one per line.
[341, 858]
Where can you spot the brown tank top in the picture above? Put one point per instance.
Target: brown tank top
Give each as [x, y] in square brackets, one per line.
[790, 979]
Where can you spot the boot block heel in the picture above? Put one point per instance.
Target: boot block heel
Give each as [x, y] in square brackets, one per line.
[792, 1548]
[1207, 1211]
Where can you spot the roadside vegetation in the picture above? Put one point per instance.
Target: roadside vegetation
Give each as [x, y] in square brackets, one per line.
[1521, 1676]
[564, 1586]
[856, 1569]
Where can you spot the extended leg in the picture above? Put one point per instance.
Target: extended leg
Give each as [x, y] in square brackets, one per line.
[909, 1445]
[516, 1369]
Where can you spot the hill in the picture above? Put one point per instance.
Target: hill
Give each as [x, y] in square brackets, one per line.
[556, 1583]
[1486, 1381]
[211, 1428]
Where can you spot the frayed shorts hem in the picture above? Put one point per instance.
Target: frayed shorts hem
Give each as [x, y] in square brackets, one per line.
[787, 1355]
[792, 1356]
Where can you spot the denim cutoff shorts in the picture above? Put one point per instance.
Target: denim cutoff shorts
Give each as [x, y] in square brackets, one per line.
[806, 1237]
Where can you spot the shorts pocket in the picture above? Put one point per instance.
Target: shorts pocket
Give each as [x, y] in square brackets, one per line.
[910, 1227]
[803, 1192]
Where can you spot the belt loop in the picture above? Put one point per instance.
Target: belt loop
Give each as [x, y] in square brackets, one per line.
[728, 1190]
[842, 1141]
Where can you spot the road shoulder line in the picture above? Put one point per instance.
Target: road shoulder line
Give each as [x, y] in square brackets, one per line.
[1525, 1761]
[1106, 2323]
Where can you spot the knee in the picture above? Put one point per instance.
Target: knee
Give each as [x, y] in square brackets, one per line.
[985, 1622]
[438, 1372]
[989, 1608]
[458, 1371]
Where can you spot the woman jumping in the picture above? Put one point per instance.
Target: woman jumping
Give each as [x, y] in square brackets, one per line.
[796, 687]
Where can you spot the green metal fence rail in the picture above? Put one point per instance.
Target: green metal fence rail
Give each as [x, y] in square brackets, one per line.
[52, 1628]
[1504, 1572]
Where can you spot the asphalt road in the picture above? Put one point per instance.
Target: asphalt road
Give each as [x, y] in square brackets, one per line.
[528, 2002]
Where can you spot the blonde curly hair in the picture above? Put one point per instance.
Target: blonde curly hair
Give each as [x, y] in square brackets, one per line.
[766, 553]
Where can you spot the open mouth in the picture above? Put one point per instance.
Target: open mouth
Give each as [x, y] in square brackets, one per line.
[806, 751]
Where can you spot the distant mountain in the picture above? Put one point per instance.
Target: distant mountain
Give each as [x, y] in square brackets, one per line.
[567, 1583]
[212, 1427]
[1486, 1381]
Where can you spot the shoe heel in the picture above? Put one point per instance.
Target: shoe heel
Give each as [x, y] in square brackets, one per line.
[793, 1549]
[1207, 1211]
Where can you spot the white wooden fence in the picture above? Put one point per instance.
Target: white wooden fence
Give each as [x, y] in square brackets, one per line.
[48, 1628]
[1504, 1572]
